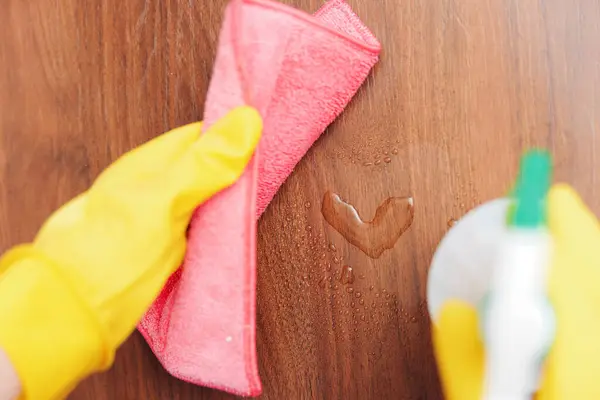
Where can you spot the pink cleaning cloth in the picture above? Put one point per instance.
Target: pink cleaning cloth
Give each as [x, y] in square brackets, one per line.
[300, 72]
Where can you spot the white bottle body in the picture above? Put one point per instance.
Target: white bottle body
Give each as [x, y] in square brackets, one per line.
[462, 265]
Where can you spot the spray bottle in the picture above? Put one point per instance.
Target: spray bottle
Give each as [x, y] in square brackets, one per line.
[497, 258]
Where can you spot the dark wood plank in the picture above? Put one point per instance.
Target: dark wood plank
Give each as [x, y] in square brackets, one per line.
[462, 88]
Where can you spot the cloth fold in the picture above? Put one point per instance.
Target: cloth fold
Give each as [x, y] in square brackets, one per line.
[300, 72]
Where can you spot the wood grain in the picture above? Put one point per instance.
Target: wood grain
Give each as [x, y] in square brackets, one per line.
[463, 87]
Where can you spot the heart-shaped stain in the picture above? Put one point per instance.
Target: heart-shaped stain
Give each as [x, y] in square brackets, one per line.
[392, 218]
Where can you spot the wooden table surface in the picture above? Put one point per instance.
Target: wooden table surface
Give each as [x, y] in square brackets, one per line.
[462, 88]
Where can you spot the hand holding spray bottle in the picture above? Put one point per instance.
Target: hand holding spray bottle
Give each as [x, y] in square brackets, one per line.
[514, 295]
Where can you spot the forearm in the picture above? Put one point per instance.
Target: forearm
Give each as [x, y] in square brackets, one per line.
[10, 386]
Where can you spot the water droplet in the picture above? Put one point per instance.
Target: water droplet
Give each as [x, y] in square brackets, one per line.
[395, 151]
[357, 294]
[367, 164]
[349, 290]
[377, 294]
[361, 301]
[451, 222]
[323, 283]
[387, 160]
[307, 204]
[336, 260]
[362, 276]
[371, 287]
[392, 218]
[377, 162]
[387, 295]
[332, 247]
[329, 267]
[385, 152]
[362, 317]
[347, 275]
[309, 228]
[336, 287]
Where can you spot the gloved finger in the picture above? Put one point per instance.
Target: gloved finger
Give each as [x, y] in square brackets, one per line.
[569, 219]
[217, 159]
[575, 273]
[152, 157]
[459, 351]
[576, 233]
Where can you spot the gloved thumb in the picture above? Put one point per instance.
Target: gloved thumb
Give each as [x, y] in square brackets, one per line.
[576, 233]
[217, 159]
[227, 146]
[459, 351]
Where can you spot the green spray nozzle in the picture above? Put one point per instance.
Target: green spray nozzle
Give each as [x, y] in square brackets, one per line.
[531, 190]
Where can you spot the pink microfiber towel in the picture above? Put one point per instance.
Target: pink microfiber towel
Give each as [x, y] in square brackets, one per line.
[299, 72]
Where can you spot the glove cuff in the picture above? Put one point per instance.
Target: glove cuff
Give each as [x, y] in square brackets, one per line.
[50, 336]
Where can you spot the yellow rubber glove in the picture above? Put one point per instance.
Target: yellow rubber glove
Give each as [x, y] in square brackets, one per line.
[70, 298]
[571, 369]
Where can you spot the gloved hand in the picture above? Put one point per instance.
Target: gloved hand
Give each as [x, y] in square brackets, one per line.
[70, 298]
[571, 369]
